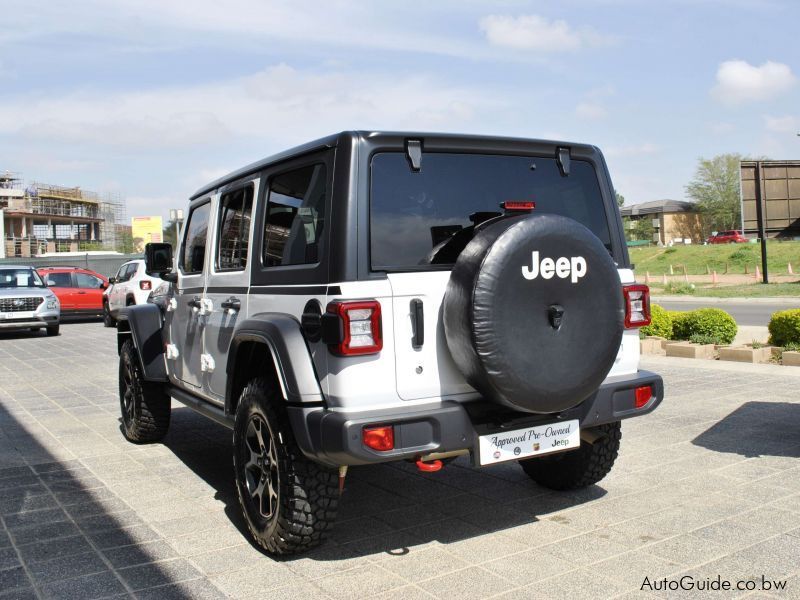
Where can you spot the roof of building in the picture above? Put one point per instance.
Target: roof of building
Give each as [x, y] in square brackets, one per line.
[658, 206]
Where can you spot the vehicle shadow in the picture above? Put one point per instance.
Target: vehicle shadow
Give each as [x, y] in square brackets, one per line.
[756, 429]
[386, 509]
[63, 528]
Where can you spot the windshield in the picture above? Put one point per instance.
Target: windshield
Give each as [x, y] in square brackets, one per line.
[425, 219]
[19, 278]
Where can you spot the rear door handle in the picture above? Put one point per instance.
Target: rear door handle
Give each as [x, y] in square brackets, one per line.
[418, 322]
[232, 304]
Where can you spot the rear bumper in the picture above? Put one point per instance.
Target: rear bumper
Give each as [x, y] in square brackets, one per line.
[334, 437]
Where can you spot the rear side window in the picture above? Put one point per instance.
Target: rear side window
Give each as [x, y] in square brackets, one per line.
[59, 280]
[295, 217]
[194, 244]
[84, 280]
[425, 219]
[234, 229]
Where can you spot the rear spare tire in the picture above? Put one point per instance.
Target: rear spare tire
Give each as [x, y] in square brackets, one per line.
[533, 312]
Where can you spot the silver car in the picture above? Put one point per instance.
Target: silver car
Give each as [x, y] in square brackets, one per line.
[26, 302]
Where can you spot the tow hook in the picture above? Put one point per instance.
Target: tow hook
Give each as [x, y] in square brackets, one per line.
[342, 475]
[429, 467]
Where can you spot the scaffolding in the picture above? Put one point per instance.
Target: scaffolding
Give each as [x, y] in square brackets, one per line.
[43, 217]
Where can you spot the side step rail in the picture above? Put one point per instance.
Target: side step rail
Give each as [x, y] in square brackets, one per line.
[204, 407]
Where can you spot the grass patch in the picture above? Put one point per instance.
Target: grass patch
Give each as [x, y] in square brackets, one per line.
[696, 259]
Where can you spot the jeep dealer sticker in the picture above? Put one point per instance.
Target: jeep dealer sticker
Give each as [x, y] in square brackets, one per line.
[521, 443]
[562, 267]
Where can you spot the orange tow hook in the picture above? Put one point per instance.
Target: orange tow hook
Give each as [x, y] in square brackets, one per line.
[429, 467]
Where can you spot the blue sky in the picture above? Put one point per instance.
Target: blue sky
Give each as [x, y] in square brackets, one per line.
[151, 99]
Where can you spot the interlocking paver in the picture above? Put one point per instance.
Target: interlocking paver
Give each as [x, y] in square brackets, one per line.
[707, 484]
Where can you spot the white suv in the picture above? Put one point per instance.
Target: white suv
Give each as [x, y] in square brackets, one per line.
[374, 297]
[130, 286]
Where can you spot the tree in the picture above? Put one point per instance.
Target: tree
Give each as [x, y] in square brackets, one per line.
[168, 234]
[715, 189]
[620, 199]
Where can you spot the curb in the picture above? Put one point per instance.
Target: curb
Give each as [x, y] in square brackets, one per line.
[654, 361]
[782, 300]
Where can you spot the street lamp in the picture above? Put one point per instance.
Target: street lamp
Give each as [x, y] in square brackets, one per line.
[176, 216]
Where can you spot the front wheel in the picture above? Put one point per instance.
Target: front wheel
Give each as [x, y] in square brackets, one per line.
[145, 407]
[53, 329]
[288, 501]
[578, 468]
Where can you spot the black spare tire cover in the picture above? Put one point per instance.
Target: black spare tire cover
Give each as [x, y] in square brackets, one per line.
[533, 312]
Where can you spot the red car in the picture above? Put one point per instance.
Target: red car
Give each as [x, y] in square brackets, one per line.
[728, 237]
[80, 291]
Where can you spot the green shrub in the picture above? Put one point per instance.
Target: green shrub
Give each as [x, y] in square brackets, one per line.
[680, 328]
[712, 322]
[704, 338]
[784, 327]
[743, 254]
[661, 323]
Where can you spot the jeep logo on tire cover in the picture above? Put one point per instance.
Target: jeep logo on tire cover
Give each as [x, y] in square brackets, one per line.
[562, 267]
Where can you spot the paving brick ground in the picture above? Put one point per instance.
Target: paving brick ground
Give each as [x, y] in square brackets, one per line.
[708, 485]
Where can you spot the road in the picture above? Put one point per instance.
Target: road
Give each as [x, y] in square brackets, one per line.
[745, 313]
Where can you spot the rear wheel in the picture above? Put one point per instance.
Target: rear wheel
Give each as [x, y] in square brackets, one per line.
[53, 329]
[145, 407]
[578, 468]
[108, 320]
[288, 501]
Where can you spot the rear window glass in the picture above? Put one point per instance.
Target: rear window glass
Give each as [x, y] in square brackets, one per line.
[424, 219]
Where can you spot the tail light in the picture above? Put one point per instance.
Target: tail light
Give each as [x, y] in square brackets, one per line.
[637, 305]
[518, 205]
[359, 327]
[378, 438]
[642, 395]
[145, 284]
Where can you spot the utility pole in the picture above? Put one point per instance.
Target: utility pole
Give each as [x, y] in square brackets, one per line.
[761, 228]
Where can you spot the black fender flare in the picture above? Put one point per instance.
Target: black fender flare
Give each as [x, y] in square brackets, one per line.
[144, 323]
[282, 335]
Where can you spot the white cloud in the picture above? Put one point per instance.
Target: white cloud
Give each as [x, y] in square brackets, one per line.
[739, 82]
[279, 105]
[590, 111]
[787, 124]
[533, 32]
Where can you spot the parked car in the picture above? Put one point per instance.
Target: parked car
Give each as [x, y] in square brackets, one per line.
[728, 237]
[26, 302]
[80, 291]
[392, 297]
[130, 286]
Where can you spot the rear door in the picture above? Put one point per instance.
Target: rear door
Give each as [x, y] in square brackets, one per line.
[187, 324]
[420, 221]
[63, 286]
[228, 281]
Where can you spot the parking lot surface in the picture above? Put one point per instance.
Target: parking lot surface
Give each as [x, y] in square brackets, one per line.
[707, 486]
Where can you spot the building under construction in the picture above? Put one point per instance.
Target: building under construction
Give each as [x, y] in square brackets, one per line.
[41, 218]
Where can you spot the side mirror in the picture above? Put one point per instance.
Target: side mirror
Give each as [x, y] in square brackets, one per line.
[112, 280]
[104, 285]
[157, 259]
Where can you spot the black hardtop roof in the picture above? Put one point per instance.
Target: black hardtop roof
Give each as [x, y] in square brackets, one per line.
[331, 141]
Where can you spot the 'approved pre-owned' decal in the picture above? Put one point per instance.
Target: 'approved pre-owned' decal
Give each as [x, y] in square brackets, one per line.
[562, 267]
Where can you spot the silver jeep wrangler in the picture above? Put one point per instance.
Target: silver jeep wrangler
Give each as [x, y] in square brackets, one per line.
[372, 297]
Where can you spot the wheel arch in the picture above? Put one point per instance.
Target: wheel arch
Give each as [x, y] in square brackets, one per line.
[274, 340]
[143, 324]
